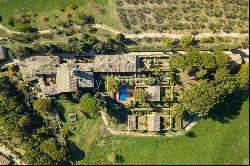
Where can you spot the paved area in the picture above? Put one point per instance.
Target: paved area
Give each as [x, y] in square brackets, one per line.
[7, 152]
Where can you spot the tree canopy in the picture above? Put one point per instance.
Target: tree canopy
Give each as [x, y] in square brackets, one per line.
[186, 41]
[42, 105]
[179, 62]
[201, 98]
[243, 75]
[53, 149]
[90, 105]
[110, 83]
[141, 96]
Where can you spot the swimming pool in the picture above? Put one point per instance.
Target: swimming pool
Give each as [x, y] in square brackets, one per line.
[123, 93]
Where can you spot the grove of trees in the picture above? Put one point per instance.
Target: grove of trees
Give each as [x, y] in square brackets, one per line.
[161, 15]
[23, 127]
[216, 79]
[83, 45]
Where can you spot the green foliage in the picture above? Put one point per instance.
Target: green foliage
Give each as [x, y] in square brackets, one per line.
[23, 125]
[218, 138]
[77, 96]
[141, 96]
[42, 105]
[85, 19]
[208, 40]
[24, 121]
[53, 149]
[179, 62]
[112, 46]
[63, 97]
[193, 57]
[243, 75]
[6, 87]
[201, 98]
[187, 41]
[157, 72]
[201, 73]
[110, 83]
[222, 74]
[113, 158]
[25, 38]
[178, 110]
[222, 60]
[150, 81]
[21, 52]
[245, 42]
[73, 6]
[168, 42]
[208, 61]
[21, 22]
[90, 105]
[121, 38]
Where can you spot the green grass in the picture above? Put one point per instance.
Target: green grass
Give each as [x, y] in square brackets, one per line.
[84, 131]
[221, 141]
[10, 7]
[51, 9]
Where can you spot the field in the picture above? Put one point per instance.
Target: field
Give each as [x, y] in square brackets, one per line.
[11, 7]
[215, 140]
[188, 15]
[134, 16]
[102, 10]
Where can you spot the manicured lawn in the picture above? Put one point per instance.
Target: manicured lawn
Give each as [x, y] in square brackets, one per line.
[221, 141]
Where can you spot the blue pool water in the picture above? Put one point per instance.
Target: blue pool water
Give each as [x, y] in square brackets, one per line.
[123, 93]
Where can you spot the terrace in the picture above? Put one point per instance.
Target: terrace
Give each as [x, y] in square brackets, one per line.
[153, 122]
[156, 61]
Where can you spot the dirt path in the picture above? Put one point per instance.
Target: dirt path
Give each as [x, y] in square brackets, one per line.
[8, 30]
[141, 35]
[170, 35]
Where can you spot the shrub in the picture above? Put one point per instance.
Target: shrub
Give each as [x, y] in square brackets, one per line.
[208, 40]
[42, 105]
